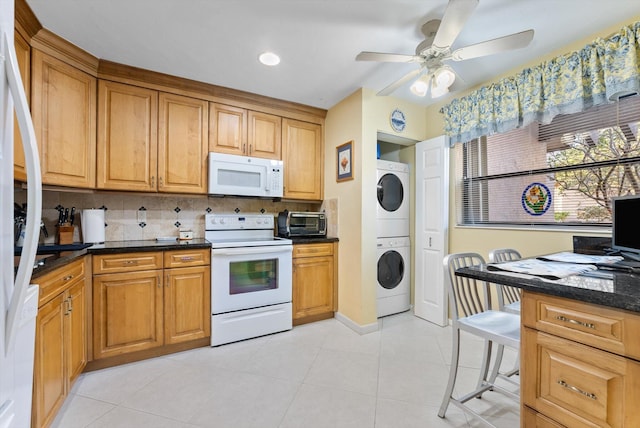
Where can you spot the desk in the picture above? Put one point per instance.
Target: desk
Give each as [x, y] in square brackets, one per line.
[580, 348]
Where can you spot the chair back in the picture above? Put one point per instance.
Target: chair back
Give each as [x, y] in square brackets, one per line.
[509, 294]
[468, 296]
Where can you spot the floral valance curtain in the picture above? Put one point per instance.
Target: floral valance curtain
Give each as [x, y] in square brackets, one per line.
[570, 83]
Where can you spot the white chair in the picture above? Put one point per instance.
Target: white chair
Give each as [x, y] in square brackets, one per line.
[469, 302]
[509, 301]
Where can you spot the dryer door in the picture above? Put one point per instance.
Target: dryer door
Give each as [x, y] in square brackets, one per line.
[390, 192]
[390, 269]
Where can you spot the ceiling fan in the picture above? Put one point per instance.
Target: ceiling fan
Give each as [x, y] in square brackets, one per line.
[434, 51]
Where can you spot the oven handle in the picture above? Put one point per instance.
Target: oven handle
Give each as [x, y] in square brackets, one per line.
[252, 250]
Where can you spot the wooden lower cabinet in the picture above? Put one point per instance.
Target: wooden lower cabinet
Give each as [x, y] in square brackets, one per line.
[187, 304]
[579, 364]
[127, 312]
[314, 282]
[149, 300]
[60, 348]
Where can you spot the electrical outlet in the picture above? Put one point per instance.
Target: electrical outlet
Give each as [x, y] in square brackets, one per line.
[142, 216]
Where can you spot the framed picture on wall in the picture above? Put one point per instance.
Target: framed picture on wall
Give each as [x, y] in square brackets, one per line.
[344, 162]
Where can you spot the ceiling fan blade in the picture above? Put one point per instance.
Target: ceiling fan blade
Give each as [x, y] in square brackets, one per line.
[494, 46]
[386, 57]
[404, 79]
[455, 16]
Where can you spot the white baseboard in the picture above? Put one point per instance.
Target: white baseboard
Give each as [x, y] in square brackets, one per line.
[360, 329]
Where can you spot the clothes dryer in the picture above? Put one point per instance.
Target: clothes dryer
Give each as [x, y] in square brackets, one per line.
[394, 275]
[392, 209]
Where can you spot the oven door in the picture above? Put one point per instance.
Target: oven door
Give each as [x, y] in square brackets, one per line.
[250, 277]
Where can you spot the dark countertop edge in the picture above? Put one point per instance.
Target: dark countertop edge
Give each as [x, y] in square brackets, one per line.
[115, 247]
[313, 239]
[539, 285]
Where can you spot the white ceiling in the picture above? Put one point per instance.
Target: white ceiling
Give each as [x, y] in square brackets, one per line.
[218, 41]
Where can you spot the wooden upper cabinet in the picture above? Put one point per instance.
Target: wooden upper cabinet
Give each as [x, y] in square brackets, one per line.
[23, 53]
[64, 118]
[237, 131]
[127, 137]
[302, 153]
[265, 135]
[182, 144]
[227, 129]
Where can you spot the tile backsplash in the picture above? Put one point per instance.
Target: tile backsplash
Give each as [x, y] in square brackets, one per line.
[160, 215]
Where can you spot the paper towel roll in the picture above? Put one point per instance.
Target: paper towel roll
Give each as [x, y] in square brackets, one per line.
[93, 226]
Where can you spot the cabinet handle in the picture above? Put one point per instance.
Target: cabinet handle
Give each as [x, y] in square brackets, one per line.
[159, 281]
[250, 149]
[67, 278]
[160, 182]
[572, 321]
[187, 259]
[69, 306]
[130, 262]
[244, 148]
[430, 242]
[167, 281]
[578, 390]
[153, 181]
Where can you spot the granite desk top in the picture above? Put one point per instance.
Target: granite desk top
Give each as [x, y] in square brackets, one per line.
[602, 287]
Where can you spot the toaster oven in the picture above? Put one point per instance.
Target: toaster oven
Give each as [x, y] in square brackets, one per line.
[301, 223]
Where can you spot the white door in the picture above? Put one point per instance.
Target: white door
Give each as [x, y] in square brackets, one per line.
[431, 228]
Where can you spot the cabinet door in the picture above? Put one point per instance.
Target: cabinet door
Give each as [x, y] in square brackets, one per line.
[227, 129]
[23, 53]
[127, 312]
[187, 304]
[76, 336]
[312, 286]
[302, 153]
[49, 381]
[182, 144]
[64, 119]
[127, 137]
[577, 385]
[265, 135]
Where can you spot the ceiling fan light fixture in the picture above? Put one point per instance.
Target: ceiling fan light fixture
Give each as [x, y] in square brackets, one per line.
[269, 58]
[420, 86]
[438, 90]
[444, 77]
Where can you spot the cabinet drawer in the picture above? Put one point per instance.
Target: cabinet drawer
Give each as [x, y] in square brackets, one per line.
[312, 250]
[186, 258]
[594, 325]
[55, 282]
[126, 262]
[577, 385]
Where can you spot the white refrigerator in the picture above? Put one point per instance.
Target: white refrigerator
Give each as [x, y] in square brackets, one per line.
[18, 298]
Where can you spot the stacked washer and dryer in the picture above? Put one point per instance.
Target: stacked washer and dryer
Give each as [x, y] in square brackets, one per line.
[393, 243]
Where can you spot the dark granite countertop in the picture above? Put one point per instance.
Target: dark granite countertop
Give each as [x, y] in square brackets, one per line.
[312, 239]
[602, 287]
[54, 261]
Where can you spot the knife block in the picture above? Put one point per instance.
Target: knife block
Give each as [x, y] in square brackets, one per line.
[65, 234]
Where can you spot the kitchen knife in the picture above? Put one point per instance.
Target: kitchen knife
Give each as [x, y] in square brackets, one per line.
[60, 216]
[66, 215]
[72, 216]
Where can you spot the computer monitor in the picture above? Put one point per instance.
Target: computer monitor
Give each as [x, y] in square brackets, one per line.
[626, 226]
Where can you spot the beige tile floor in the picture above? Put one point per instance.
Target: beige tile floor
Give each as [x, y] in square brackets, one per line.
[316, 375]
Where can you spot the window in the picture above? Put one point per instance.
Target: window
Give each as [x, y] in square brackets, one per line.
[563, 173]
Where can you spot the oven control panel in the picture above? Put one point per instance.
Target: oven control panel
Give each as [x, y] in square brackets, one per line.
[238, 221]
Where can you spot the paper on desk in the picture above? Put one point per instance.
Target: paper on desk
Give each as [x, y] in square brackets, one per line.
[569, 257]
[545, 269]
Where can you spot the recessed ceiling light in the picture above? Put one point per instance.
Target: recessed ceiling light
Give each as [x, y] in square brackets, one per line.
[269, 58]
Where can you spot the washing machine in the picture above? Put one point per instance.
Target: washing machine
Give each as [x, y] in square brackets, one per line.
[392, 210]
[394, 275]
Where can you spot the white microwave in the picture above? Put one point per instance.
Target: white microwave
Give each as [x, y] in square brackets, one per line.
[235, 175]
